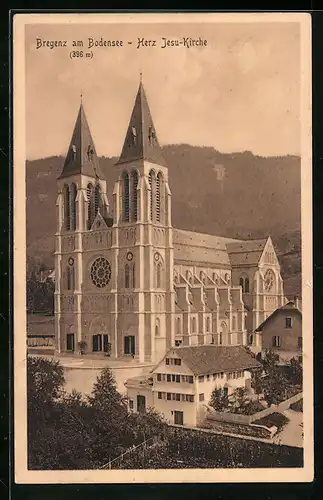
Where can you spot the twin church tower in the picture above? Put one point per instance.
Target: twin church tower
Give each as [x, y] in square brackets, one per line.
[127, 283]
[112, 270]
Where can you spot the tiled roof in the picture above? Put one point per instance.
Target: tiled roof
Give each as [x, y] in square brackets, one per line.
[205, 359]
[198, 247]
[289, 307]
[141, 140]
[246, 252]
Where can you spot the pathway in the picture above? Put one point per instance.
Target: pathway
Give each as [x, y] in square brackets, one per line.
[292, 433]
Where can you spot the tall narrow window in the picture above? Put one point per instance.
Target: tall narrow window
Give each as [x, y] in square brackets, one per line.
[152, 184]
[73, 207]
[207, 324]
[69, 278]
[159, 182]
[97, 199]
[157, 327]
[67, 220]
[125, 183]
[193, 324]
[70, 275]
[134, 195]
[126, 276]
[178, 326]
[241, 283]
[133, 276]
[247, 285]
[90, 206]
[158, 275]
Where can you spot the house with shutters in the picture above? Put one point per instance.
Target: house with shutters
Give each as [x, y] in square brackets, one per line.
[281, 332]
[181, 384]
[128, 283]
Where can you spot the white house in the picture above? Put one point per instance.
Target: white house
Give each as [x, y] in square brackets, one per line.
[183, 381]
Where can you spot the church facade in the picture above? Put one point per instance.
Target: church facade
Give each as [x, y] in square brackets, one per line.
[128, 284]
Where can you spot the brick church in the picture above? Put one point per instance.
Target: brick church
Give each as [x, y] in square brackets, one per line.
[128, 283]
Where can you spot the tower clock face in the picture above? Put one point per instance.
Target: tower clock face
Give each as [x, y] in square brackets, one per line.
[269, 280]
[101, 272]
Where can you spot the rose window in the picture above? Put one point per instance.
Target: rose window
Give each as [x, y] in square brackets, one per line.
[101, 272]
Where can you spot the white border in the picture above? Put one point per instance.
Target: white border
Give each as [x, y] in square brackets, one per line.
[22, 474]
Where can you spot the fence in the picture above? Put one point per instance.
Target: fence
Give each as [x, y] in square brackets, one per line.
[248, 419]
[116, 462]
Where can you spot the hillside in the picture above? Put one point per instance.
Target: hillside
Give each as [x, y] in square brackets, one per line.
[238, 195]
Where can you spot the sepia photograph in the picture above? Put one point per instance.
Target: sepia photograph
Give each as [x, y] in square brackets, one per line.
[162, 248]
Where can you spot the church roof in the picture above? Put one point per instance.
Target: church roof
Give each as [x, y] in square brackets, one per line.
[246, 252]
[81, 157]
[206, 359]
[200, 248]
[141, 142]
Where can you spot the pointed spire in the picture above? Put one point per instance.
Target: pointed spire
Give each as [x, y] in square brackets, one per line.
[81, 157]
[141, 142]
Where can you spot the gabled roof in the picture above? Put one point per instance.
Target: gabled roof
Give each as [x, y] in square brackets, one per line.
[289, 307]
[81, 157]
[206, 359]
[141, 142]
[200, 248]
[246, 252]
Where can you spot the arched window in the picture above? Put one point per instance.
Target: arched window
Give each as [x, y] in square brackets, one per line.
[159, 186]
[187, 275]
[158, 275]
[152, 184]
[201, 275]
[97, 199]
[234, 323]
[67, 207]
[208, 324]
[193, 323]
[227, 278]
[90, 206]
[246, 286]
[73, 207]
[241, 283]
[157, 327]
[178, 326]
[125, 194]
[126, 276]
[134, 195]
[133, 276]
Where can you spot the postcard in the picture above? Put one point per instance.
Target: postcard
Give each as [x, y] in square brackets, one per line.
[162, 208]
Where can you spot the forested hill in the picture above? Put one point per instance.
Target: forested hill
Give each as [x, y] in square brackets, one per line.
[238, 195]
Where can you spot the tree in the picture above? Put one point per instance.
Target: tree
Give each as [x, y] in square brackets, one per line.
[239, 398]
[257, 382]
[219, 399]
[45, 380]
[295, 372]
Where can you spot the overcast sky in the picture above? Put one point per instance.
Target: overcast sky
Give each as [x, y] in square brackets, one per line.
[241, 92]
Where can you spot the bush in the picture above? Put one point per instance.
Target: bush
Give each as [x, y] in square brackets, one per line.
[219, 400]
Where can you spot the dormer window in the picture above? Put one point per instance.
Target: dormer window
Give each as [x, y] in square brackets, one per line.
[90, 152]
[134, 135]
[151, 136]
